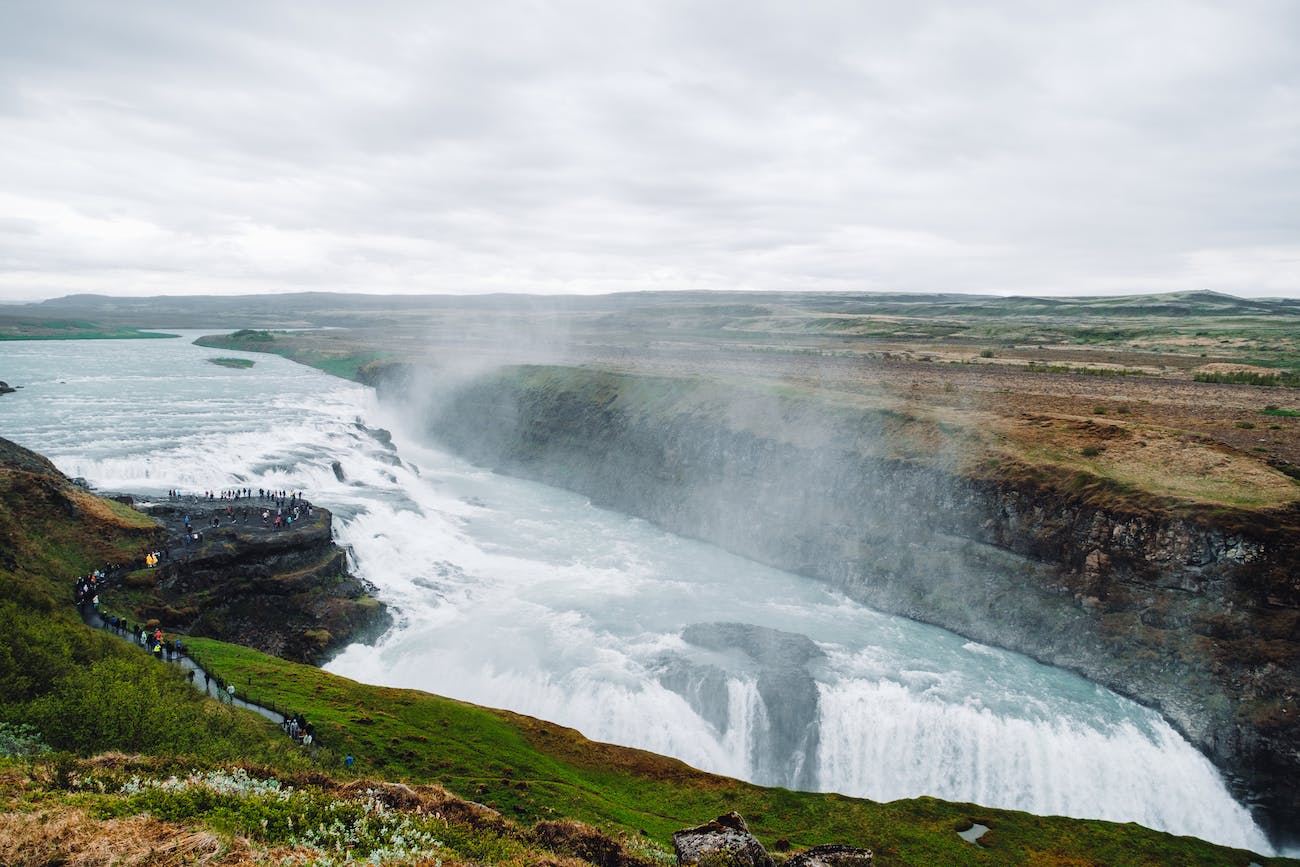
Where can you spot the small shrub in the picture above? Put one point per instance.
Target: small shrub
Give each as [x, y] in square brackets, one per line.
[1250, 377]
[21, 741]
[988, 353]
[1091, 451]
[1099, 410]
[1246, 425]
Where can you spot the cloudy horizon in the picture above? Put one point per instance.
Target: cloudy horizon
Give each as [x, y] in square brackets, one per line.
[580, 147]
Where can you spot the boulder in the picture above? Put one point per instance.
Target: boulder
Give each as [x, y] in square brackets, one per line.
[724, 842]
[832, 856]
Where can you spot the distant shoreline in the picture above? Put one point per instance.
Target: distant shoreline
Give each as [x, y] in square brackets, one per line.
[116, 334]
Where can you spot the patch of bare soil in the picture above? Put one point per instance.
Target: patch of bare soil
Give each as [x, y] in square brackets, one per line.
[71, 837]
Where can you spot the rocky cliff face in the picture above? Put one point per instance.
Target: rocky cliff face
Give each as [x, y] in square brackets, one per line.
[285, 592]
[1195, 613]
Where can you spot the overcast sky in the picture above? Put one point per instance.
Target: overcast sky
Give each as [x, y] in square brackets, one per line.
[1029, 148]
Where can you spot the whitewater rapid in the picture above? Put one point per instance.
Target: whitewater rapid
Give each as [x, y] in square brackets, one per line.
[513, 594]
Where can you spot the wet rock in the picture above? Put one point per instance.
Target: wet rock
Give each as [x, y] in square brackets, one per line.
[724, 842]
[765, 645]
[6, 388]
[703, 686]
[338, 471]
[832, 856]
[786, 754]
[378, 434]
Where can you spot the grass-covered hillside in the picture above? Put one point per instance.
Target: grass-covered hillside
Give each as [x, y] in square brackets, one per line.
[115, 757]
[84, 691]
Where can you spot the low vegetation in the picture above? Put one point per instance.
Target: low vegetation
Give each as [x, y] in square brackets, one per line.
[1250, 377]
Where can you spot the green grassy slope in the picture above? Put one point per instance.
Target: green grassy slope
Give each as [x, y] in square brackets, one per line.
[86, 691]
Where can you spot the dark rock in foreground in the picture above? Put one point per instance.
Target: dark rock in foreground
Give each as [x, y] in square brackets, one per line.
[724, 842]
[832, 856]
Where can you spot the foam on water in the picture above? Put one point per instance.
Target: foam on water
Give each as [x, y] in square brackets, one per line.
[516, 595]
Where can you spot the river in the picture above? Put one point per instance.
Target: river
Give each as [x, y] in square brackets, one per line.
[518, 595]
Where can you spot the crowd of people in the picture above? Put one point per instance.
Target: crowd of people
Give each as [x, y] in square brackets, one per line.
[88, 587]
[298, 728]
[285, 508]
[239, 494]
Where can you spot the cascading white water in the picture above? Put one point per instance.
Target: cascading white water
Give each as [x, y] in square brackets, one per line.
[883, 741]
[516, 595]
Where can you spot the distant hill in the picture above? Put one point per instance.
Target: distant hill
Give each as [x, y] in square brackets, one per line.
[304, 309]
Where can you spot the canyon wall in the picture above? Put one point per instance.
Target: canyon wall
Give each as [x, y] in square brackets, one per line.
[1191, 611]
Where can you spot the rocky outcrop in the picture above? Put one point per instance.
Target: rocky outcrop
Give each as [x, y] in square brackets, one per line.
[727, 842]
[724, 842]
[833, 856]
[6, 388]
[286, 592]
[1193, 612]
[786, 753]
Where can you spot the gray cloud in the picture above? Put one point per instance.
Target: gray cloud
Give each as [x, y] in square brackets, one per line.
[584, 147]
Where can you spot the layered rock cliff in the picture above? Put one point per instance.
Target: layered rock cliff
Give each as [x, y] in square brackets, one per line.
[287, 592]
[1193, 611]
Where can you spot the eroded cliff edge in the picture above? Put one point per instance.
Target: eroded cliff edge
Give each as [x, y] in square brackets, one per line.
[1194, 611]
[287, 592]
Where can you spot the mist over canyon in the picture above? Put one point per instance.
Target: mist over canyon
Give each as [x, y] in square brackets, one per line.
[516, 594]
